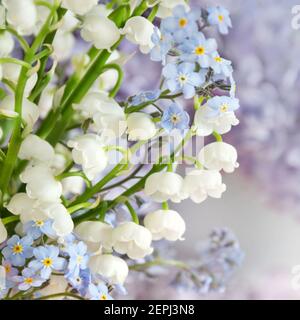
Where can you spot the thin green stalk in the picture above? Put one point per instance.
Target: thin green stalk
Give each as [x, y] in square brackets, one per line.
[62, 294]
[133, 214]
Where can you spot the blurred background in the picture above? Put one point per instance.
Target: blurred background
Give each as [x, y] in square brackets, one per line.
[261, 205]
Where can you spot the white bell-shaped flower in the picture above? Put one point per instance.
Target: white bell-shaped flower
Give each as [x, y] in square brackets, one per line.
[132, 239]
[166, 7]
[11, 71]
[140, 126]
[73, 185]
[63, 45]
[6, 44]
[199, 184]
[3, 232]
[165, 224]
[108, 116]
[80, 7]
[30, 111]
[63, 224]
[112, 268]
[21, 205]
[222, 123]
[22, 15]
[139, 30]
[101, 40]
[2, 16]
[88, 151]
[41, 183]
[37, 150]
[164, 186]
[218, 156]
[96, 234]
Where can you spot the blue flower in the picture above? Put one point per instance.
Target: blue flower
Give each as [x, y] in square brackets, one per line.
[198, 49]
[10, 272]
[163, 43]
[183, 78]
[47, 259]
[29, 279]
[221, 65]
[218, 105]
[219, 16]
[78, 259]
[18, 250]
[66, 242]
[145, 97]
[35, 229]
[182, 24]
[81, 282]
[175, 118]
[99, 292]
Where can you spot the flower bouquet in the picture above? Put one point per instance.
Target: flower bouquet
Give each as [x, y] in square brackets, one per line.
[86, 174]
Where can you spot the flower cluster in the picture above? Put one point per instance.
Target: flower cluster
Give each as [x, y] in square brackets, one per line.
[69, 145]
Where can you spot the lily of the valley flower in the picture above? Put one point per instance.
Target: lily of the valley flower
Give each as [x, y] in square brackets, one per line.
[95, 234]
[218, 156]
[132, 239]
[140, 126]
[166, 7]
[110, 267]
[88, 151]
[165, 224]
[139, 30]
[199, 184]
[6, 44]
[3, 232]
[80, 7]
[164, 186]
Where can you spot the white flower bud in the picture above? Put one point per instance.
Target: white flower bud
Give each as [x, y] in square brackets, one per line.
[218, 156]
[80, 7]
[164, 186]
[95, 233]
[165, 224]
[140, 126]
[200, 184]
[3, 232]
[108, 116]
[132, 239]
[36, 149]
[91, 31]
[221, 124]
[30, 112]
[41, 183]
[6, 44]
[166, 7]
[22, 15]
[2, 16]
[139, 30]
[63, 45]
[88, 151]
[11, 71]
[114, 269]
[74, 185]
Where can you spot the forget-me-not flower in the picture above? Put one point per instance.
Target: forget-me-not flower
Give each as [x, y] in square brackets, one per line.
[18, 250]
[10, 272]
[145, 97]
[182, 24]
[37, 228]
[221, 65]
[80, 282]
[199, 49]
[28, 279]
[183, 78]
[220, 17]
[163, 43]
[175, 117]
[47, 259]
[99, 292]
[220, 104]
[78, 258]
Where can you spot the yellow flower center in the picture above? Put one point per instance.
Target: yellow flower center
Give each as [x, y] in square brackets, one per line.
[39, 223]
[218, 59]
[47, 262]
[200, 50]
[175, 118]
[79, 259]
[224, 107]
[28, 280]
[182, 78]
[7, 269]
[182, 22]
[103, 297]
[17, 249]
[221, 18]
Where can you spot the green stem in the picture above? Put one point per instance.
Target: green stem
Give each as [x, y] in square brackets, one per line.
[75, 174]
[62, 294]
[217, 136]
[165, 205]
[21, 40]
[159, 262]
[11, 219]
[15, 61]
[117, 86]
[134, 215]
